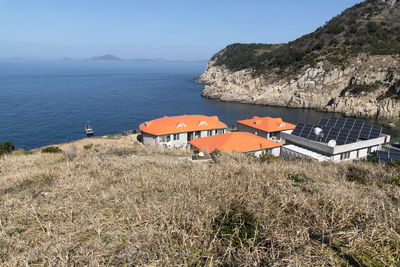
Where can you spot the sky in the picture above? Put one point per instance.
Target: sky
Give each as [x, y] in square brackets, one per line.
[186, 29]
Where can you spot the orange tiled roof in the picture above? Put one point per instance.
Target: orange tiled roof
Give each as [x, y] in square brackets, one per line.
[181, 124]
[234, 141]
[268, 124]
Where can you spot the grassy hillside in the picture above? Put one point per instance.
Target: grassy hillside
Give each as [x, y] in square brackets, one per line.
[371, 27]
[115, 204]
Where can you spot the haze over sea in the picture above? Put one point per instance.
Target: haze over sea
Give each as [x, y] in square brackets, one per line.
[49, 102]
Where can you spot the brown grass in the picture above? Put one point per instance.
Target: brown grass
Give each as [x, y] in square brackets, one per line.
[117, 204]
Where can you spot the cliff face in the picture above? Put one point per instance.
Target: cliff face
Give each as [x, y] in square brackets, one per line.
[322, 87]
[350, 65]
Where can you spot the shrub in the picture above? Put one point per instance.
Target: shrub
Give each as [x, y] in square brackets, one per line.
[27, 153]
[6, 148]
[236, 226]
[266, 157]
[88, 146]
[356, 174]
[356, 89]
[373, 157]
[214, 154]
[298, 177]
[51, 149]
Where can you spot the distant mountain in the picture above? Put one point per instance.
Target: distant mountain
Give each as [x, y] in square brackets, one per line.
[105, 59]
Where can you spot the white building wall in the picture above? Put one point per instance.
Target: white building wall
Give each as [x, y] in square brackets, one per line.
[353, 155]
[149, 139]
[362, 153]
[276, 151]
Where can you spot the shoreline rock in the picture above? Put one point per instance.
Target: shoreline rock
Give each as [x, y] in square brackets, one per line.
[322, 87]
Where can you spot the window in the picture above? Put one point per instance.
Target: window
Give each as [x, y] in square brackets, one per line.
[220, 131]
[168, 138]
[163, 138]
[176, 137]
[345, 155]
[209, 132]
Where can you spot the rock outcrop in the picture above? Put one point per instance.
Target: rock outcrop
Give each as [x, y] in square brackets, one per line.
[322, 87]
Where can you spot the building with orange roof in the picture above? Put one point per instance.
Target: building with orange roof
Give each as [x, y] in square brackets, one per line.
[177, 131]
[266, 127]
[239, 142]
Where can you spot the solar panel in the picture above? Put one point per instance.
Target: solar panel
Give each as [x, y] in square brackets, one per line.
[375, 132]
[393, 153]
[342, 136]
[332, 122]
[359, 123]
[298, 129]
[333, 134]
[379, 152]
[340, 122]
[365, 131]
[307, 130]
[349, 124]
[342, 130]
[322, 122]
[353, 136]
[388, 156]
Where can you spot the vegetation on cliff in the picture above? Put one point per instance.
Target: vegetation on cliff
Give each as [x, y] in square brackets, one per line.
[138, 205]
[371, 27]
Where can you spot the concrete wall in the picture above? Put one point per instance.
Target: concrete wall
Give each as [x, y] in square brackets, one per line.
[149, 139]
[325, 149]
[275, 136]
[245, 128]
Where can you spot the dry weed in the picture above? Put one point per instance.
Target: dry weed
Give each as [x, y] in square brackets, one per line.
[142, 205]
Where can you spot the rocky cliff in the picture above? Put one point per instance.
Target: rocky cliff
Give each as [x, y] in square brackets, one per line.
[322, 87]
[357, 74]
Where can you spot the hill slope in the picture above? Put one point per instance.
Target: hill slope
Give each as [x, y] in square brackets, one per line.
[116, 204]
[349, 65]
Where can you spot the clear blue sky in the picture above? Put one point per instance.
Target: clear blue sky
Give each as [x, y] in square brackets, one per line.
[170, 29]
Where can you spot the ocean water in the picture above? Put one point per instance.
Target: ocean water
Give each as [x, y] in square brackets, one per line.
[49, 102]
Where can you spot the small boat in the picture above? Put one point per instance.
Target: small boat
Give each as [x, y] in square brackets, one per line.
[89, 130]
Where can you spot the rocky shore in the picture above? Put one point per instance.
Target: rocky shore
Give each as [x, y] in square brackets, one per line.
[322, 87]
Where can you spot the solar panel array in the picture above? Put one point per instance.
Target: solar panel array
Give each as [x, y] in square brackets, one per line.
[342, 130]
[388, 156]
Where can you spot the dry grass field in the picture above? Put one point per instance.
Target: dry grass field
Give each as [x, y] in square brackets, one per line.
[122, 203]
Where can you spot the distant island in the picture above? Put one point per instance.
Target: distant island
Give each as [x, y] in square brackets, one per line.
[105, 59]
[115, 59]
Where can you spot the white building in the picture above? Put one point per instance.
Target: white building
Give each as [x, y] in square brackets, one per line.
[177, 131]
[335, 139]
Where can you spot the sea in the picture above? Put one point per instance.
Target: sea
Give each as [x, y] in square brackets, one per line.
[45, 102]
